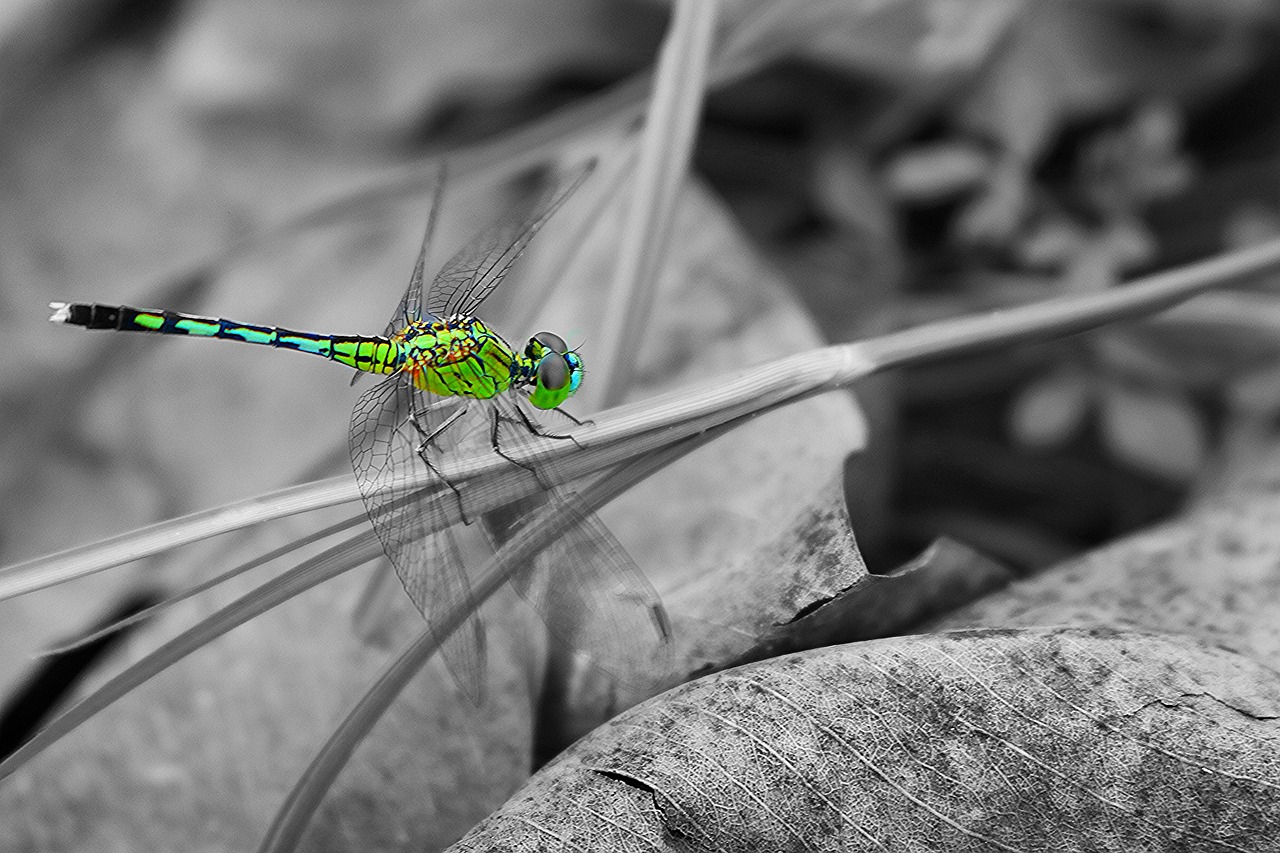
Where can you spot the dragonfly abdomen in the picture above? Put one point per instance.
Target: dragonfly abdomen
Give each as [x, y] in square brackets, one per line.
[372, 354]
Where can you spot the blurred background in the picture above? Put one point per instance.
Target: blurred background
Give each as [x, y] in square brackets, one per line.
[886, 163]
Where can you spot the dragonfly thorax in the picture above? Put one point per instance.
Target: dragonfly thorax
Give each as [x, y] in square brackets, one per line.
[431, 343]
[457, 356]
[460, 356]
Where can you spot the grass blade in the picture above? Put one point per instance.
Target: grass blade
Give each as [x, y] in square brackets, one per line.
[551, 521]
[336, 560]
[205, 585]
[670, 127]
[157, 538]
[647, 426]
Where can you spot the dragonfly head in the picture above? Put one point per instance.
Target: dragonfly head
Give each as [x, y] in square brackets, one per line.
[557, 370]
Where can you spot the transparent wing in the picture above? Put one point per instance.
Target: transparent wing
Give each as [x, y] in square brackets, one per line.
[594, 597]
[388, 428]
[410, 307]
[586, 587]
[479, 267]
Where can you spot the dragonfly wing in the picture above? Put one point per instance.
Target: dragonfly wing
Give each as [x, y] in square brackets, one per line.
[410, 307]
[585, 585]
[594, 597]
[479, 267]
[388, 428]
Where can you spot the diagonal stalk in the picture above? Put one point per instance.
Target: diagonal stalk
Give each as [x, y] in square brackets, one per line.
[666, 147]
[217, 580]
[340, 558]
[550, 522]
[627, 431]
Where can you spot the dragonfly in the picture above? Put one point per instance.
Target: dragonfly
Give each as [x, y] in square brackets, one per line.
[452, 382]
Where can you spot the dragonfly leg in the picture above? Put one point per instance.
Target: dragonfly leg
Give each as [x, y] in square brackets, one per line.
[457, 493]
[521, 420]
[575, 420]
[545, 433]
[429, 437]
[572, 418]
[494, 423]
[425, 445]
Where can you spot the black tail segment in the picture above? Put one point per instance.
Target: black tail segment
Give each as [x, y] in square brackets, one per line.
[94, 316]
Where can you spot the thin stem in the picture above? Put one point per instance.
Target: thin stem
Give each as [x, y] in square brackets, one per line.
[644, 427]
[332, 562]
[551, 521]
[666, 147]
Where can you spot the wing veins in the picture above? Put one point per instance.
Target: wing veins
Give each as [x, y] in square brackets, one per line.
[477, 269]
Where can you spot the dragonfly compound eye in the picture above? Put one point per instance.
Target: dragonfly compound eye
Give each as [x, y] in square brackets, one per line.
[553, 372]
[552, 341]
[556, 378]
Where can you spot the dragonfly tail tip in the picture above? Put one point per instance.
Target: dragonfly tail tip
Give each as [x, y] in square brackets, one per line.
[61, 312]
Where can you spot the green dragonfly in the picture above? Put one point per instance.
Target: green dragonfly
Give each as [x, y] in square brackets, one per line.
[451, 381]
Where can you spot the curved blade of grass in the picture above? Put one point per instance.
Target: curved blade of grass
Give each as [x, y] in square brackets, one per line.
[162, 536]
[666, 147]
[331, 563]
[515, 555]
[621, 433]
[746, 46]
[196, 589]
[839, 366]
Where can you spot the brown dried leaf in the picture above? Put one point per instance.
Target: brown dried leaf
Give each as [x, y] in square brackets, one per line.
[266, 699]
[1213, 574]
[806, 587]
[1046, 739]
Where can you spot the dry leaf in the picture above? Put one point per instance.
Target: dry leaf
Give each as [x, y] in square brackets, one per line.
[229, 751]
[1214, 574]
[1050, 739]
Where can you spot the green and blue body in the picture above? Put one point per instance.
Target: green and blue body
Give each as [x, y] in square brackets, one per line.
[434, 348]
[457, 356]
